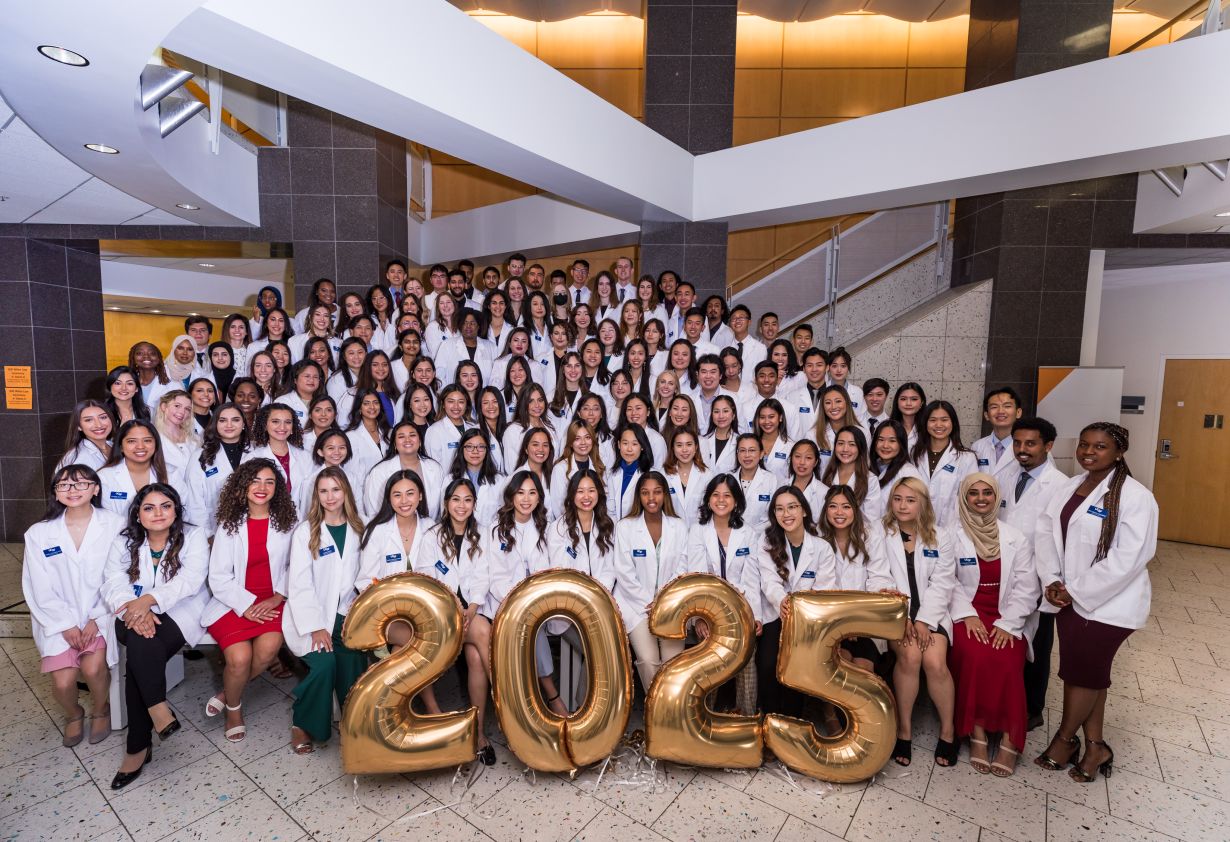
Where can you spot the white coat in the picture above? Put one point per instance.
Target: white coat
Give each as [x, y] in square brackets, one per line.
[510, 565]
[431, 474]
[945, 484]
[870, 573]
[619, 499]
[86, 453]
[466, 576]
[1115, 590]
[724, 464]
[297, 406]
[301, 464]
[742, 566]
[321, 585]
[118, 490]
[177, 458]
[907, 469]
[935, 571]
[758, 493]
[63, 585]
[777, 460]
[336, 388]
[515, 434]
[183, 598]
[204, 489]
[1025, 513]
[441, 441]
[814, 571]
[984, 449]
[1019, 587]
[687, 501]
[299, 341]
[825, 442]
[642, 569]
[814, 495]
[228, 571]
[364, 450]
[303, 491]
[453, 352]
[385, 554]
[583, 556]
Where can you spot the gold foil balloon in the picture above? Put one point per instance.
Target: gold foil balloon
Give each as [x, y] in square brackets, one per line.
[380, 731]
[814, 624]
[679, 724]
[540, 738]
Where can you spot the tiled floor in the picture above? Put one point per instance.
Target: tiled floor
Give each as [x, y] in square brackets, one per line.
[1168, 715]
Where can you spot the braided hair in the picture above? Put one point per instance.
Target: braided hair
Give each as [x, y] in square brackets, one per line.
[1114, 492]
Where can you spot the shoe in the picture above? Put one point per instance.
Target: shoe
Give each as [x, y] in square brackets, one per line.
[171, 728]
[194, 655]
[215, 704]
[97, 735]
[903, 748]
[236, 734]
[487, 755]
[1047, 762]
[123, 779]
[946, 750]
[981, 766]
[69, 742]
[1107, 766]
[1002, 770]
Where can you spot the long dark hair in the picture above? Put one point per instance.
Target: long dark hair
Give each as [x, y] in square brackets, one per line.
[895, 414]
[355, 421]
[668, 507]
[260, 427]
[645, 462]
[857, 547]
[75, 434]
[318, 447]
[343, 366]
[1114, 491]
[897, 462]
[287, 332]
[445, 526]
[135, 534]
[923, 444]
[233, 501]
[603, 525]
[211, 443]
[861, 469]
[505, 518]
[736, 491]
[156, 461]
[139, 409]
[72, 473]
[775, 536]
[523, 454]
[386, 512]
[486, 472]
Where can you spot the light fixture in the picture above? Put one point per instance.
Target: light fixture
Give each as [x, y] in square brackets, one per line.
[206, 266]
[103, 148]
[1223, 213]
[115, 308]
[64, 56]
[155, 311]
[186, 206]
[194, 314]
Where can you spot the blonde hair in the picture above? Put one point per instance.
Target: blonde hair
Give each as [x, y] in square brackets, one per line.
[657, 405]
[316, 512]
[926, 514]
[185, 432]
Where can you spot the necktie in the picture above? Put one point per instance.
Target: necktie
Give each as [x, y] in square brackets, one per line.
[740, 346]
[621, 293]
[873, 423]
[200, 359]
[578, 296]
[1021, 482]
[999, 451]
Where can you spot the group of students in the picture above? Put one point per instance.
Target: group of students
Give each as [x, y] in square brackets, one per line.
[244, 492]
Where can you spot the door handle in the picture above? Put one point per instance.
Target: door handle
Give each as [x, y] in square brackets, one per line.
[1166, 455]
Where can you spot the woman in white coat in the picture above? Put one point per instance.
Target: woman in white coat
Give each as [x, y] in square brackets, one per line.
[367, 430]
[226, 442]
[889, 457]
[850, 466]
[277, 436]
[941, 459]
[452, 552]
[323, 569]
[306, 383]
[393, 536]
[719, 543]
[90, 433]
[443, 436]
[155, 588]
[1093, 546]
[332, 449]
[996, 600]
[135, 462]
[247, 576]
[686, 475]
[633, 460]
[805, 466]
[757, 483]
[175, 424]
[651, 545]
[61, 580]
[921, 558]
[404, 454]
[717, 445]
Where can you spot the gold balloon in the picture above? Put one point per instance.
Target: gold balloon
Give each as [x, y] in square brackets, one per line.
[541, 739]
[380, 731]
[814, 624]
[679, 724]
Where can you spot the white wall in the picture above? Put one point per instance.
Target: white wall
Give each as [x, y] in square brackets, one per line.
[1152, 313]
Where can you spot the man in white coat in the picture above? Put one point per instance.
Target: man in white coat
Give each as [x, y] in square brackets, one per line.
[1001, 407]
[1026, 489]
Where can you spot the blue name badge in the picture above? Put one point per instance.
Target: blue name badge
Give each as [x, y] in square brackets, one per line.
[503, 547]
[805, 410]
[931, 553]
[764, 498]
[810, 574]
[984, 462]
[1003, 504]
[52, 551]
[452, 445]
[324, 551]
[119, 495]
[571, 552]
[392, 558]
[212, 471]
[672, 491]
[855, 404]
[742, 551]
[952, 469]
[442, 567]
[1096, 512]
[826, 453]
[777, 454]
[136, 590]
[967, 562]
[639, 554]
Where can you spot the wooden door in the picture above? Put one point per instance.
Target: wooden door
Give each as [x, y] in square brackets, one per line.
[1191, 478]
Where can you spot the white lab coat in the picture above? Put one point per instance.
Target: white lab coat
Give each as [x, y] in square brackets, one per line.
[1115, 590]
[687, 501]
[204, 489]
[870, 573]
[299, 341]
[619, 499]
[907, 469]
[642, 569]
[582, 556]
[303, 491]
[724, 464]
[945, 484]
[1019, 587]
[935, 571]
[431, 474]
[86, 453]
[297, 406]
[336, 388]
[984, 449]
[825, 440]
[469, 577]
[63, 585]
[228, 571]
[301, 465]
[453, 352]
[814, 495]
[758, 493]
[321, 585]
[510, 565]
[1025, 513]
[364, 451]
[441, 441]
[777, 460]
[814, 571]
[385, 554]
[183, 598]
[118, 490]
[177, 458]
[514, 435]
[742, 567]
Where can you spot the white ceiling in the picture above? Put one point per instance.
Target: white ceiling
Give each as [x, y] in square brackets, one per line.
[266, 270]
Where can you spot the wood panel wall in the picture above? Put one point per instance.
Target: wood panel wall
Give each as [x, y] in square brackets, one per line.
[123, 330]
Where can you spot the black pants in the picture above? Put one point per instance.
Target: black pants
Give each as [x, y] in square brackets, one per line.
[774, 696]
[145, 684]
[1038, 671]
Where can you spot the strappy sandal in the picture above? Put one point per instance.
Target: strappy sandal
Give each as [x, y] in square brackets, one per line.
[1051, 764]
[903, 748]
[1001, 770]
[981, 766]
[301, 747]
[487, 755]
[237, 733]
[69, 742]
[1107, 766]
[97, 735]
[215, 704]
[946, 750]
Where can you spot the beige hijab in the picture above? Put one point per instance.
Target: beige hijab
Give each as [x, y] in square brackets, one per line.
[983, 530]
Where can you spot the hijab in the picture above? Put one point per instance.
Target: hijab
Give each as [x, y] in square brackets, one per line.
[223, 376]
[177, 371]
[983, 530]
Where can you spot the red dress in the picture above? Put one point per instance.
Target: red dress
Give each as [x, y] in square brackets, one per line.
[230, 627]
[990, 682]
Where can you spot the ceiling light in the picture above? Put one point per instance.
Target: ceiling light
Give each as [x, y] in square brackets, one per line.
[194, 314]
[186, 206]
[155, 311]
[63, 56]
[206, 266]
[1223, 213]
[115, 308]
[103, 148]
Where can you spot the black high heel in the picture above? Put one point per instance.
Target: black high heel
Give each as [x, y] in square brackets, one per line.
[123, 779]
[171, 728]
[1106, 767]
[1051, 764]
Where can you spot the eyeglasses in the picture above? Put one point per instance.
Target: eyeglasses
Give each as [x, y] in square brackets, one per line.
[83, 485]
[474, 448]
[789, 507]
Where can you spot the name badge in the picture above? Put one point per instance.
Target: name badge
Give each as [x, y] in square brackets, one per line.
[952, 469]
[639, 554]
[1096, 512]
[503, 547]
[967, 562]
[442, 567]
[212, 471]
[931, 553]
[764, 498]
[984, 462]
[452, 445]
[805, 410]
[1003, 504]
[119, 495]
[571, 552]
[826, 453]
[392, 558]
[324, 551]
[543, 362]
[742, 551]
[672, 491]
[52, 551]
[810, 574]
[136, 590]
[777, 454]
[855, 404]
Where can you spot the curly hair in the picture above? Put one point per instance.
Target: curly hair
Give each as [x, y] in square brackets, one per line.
[505, 519]
[233, 501]
[135, 534]
[260, 427]
[603, 525]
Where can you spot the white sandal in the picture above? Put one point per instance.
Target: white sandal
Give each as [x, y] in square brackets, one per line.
[236, 734]
[215, 704]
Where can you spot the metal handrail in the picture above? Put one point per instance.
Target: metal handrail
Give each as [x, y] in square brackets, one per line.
[807, 244]
[1186, 13]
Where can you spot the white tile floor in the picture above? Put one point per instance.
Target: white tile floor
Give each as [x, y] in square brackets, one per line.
[1168, 716]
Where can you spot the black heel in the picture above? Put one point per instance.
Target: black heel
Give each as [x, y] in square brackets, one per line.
[1047, 762]
[1106, 767]
[171, 728]
[123, 779]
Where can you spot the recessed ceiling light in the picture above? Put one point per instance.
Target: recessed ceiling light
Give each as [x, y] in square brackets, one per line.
[115, 308]
[194, 314]
[1223, 213]
[186, 206]
[206, 266]
[155, 311]
[103, 148]
[63, 56]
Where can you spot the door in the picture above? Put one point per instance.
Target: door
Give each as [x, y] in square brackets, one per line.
[1193, 453]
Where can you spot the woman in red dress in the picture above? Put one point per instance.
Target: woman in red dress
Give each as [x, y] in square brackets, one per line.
[996, 601]
[247, 574]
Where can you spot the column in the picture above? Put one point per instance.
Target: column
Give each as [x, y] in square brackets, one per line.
[689, 98]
